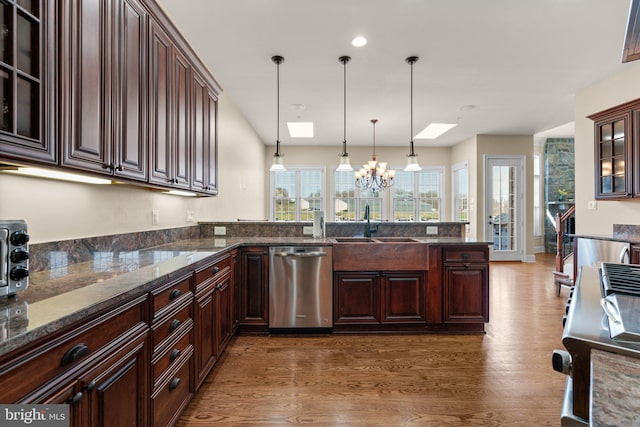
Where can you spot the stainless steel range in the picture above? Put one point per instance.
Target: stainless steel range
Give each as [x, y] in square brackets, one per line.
[14, 257]
[602, 338]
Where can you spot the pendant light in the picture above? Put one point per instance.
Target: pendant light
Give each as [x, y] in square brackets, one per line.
[278, 163]
[412, 157]
[345, 163]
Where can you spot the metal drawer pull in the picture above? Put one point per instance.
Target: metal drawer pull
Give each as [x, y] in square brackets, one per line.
[465, 256]
[174, 294]
[174, 355]
[173, 325]
[174, 384]
[73, 401]
[215, 269]
[75, 353]
[91, 386]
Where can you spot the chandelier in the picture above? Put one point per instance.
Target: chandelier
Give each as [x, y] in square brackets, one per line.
[374, 175]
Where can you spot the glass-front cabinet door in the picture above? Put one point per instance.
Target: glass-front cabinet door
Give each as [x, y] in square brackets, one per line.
[27, 72]
[613, 167]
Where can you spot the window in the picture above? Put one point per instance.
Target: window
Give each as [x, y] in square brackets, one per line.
[417, 196]
[537, 207]
[296, 193]
[349, 201]
[460, 172]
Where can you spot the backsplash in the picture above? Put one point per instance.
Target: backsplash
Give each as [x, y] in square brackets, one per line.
[626, 231]
[333, 229]
[43, 255]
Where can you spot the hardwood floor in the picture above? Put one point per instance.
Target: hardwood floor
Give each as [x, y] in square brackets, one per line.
[503, 378]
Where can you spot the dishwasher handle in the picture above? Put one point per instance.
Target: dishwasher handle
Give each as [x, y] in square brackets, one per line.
[301, 254]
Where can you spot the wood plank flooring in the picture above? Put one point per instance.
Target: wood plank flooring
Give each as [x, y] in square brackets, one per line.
[502, 378]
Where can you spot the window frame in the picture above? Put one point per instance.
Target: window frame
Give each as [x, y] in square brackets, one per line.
[416, 194]
[298, 187]
[358, 201]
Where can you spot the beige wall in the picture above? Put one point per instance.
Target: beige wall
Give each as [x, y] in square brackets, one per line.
[57, 210]
[617, 89]
[466, 151]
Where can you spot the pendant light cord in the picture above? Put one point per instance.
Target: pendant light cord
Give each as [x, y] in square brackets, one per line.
[278, 106]
[277, 60]
[344, 128]
[411, 60]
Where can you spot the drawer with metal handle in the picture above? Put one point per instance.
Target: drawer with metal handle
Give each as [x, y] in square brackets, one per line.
[168, 296]
[172, 325]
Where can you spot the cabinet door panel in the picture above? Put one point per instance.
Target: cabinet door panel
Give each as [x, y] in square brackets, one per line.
[466, 293]
[200, 132]
[205, 340]
[211, 164]
[403, 297]
[28, 81]
[255, 285]
[224, 323]
[159, 109]
[182, 142]
[131, 141]
[356, 298]
[86, 84]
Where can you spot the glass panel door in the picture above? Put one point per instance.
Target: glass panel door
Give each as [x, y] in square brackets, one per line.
[503, 208]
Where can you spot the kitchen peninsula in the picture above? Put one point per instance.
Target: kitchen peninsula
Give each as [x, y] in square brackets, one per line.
[155, 319]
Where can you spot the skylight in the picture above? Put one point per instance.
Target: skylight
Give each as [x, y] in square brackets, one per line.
[434, 130]
[300, 129]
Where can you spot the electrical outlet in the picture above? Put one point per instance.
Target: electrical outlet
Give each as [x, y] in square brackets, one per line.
[307, 230]
[190, 216]
[432, 229]
[219, 231]
[155, 217]
[592, 205]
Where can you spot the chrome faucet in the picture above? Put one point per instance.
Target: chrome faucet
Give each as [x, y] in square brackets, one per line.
[367, 227]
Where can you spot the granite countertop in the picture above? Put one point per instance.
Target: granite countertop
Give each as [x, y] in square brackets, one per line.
[67, 292]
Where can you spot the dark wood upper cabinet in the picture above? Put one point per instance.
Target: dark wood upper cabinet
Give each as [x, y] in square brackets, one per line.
[108, 87]
[103, 87]
[28, 78]
[169, 92]
[617, 152]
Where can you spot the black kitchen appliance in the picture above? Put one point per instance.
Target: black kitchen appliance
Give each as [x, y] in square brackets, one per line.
[14, 257]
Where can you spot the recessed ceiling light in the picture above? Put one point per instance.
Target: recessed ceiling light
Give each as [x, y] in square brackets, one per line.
[434, 130]
[359, 41]
[300, 129]
[467, 107]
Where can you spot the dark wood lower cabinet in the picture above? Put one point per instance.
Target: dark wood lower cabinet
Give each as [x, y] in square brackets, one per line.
[403, 298]
[254, 292]
[371, 298]
[356, 298]
[466, 293]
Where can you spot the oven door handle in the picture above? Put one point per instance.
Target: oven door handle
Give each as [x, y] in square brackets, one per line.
[624, 256]
[610, 310]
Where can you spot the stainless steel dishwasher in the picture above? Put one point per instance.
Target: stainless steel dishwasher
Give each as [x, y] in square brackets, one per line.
[300, 287]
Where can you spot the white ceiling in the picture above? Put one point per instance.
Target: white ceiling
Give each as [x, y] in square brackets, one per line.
[519, 62]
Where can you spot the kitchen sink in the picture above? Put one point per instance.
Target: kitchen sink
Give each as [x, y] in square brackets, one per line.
[379, 254]
[396, 239]
[375, 240]
[353, 240]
